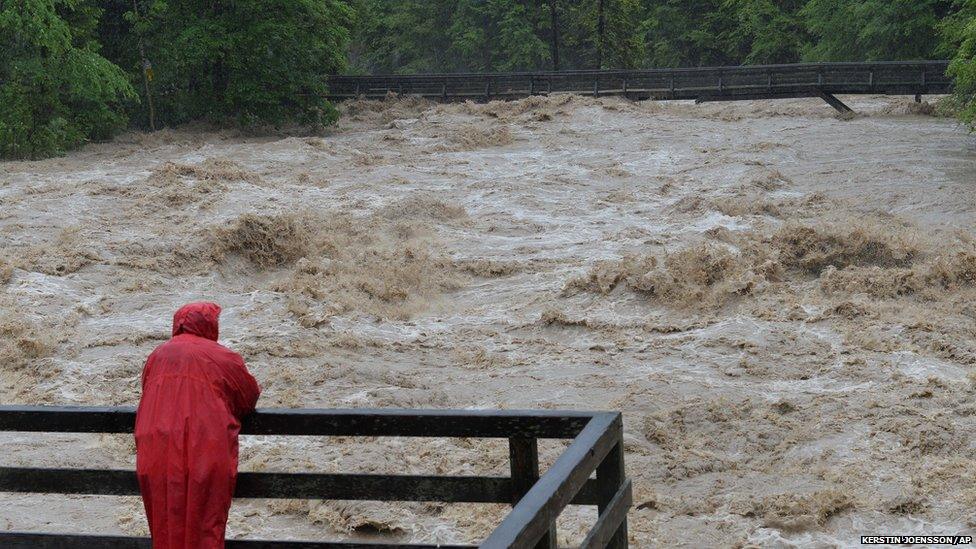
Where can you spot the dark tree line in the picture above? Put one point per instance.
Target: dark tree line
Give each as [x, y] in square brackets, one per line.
[498, 35]
[79, 70]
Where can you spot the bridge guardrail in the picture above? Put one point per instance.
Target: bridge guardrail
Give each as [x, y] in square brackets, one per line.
[702, 84]
[597, 446]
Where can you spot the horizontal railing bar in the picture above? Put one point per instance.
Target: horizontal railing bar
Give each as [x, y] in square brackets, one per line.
[660, 93]
[320, 422]
[583, 84]
[631, 84]
[538, 509]
[31, 540]
[466, 489]
[758, 79]
[611, 519]
[730, 69]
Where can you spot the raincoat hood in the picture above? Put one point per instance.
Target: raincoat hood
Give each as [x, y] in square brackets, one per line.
[199, 319]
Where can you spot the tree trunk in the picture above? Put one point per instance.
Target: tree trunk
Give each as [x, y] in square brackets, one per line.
[146, 71]
[553, 10]
[487, 53]
[601, 27]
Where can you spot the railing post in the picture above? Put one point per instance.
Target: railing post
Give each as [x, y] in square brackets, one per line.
[611, 476]
[524, 462]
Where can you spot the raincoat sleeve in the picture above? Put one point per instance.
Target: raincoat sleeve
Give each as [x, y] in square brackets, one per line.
[243, 389]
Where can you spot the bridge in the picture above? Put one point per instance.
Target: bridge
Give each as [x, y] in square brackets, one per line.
[596, 451]
[824, 80]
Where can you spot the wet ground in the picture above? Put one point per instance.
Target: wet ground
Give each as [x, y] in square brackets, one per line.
[779, 301]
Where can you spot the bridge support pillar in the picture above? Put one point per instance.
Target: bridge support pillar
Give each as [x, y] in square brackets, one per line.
[834, 102]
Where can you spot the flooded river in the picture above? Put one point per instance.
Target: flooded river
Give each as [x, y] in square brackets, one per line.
[778, 300]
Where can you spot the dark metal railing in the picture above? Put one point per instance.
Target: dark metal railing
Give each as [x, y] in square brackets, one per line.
[701, 84]
[597, 447]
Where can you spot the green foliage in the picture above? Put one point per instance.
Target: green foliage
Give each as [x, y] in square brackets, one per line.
[247, 61]
[495, 35]
[624, 45]
[621, 46]
[56, 90]
[963, 66]
[682, 33]
[765, 31]
[952, 28]
[401, 37]
[463, 35]
[253, 62]
[722, 32]
[873, 30]
[417, 36]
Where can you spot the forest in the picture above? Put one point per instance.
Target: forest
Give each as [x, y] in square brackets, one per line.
[75, 71]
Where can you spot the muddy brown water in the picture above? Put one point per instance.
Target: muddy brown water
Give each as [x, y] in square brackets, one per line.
[470, 256]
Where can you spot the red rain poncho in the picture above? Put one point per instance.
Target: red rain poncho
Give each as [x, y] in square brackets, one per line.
[194, 393]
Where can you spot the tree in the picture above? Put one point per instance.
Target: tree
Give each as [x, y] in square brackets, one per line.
[687, 33]
[600, 34]
[408, 36]
[873, 30]
[248, 61]
[765, 31]
[953, 28]
[417, 36]
[414, 36]
[601, 31]
[56, 90]
[619, 43]
[497, 35]
[554, 32]
[961, 31]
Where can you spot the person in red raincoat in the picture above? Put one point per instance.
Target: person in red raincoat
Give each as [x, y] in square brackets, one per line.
[194, 393]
